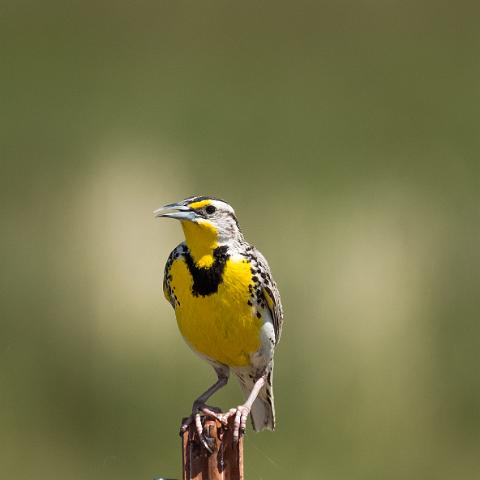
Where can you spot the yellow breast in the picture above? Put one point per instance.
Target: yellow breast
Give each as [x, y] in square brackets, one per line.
[222, 325]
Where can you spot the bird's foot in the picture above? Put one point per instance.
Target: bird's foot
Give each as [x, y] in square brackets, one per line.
[199, 410]
[240, 414]
[240, 422]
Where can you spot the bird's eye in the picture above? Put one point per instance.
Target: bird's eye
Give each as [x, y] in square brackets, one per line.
[210, 209]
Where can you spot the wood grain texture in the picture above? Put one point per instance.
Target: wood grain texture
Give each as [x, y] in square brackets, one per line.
[226, 460]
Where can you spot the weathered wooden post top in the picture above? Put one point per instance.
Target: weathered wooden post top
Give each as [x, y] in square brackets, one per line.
[223, 462]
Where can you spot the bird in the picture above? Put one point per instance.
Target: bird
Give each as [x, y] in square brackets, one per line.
[228, 309]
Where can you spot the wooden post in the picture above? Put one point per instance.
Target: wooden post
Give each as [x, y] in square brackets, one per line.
[226, 460]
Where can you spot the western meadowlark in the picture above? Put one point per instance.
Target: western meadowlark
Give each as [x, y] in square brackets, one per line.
[227, 306]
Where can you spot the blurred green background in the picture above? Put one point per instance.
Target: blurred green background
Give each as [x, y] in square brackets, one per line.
[346, 136]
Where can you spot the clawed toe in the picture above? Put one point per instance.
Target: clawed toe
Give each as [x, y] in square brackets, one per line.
[239, 413]
[186, 422]
[240, 422]
[199, 411]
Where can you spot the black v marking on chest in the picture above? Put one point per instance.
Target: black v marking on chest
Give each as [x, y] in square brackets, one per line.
[207, 279]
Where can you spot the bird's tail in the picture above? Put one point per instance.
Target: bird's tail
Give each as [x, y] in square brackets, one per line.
[263, 408]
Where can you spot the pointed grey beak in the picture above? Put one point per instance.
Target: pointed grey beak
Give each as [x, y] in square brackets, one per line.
[175, 210]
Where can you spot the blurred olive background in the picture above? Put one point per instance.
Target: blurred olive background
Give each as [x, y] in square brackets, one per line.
[345, 134]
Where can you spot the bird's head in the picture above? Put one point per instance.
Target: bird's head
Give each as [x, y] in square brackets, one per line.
[207, 222]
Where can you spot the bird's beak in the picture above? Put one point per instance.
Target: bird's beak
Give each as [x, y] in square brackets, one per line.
[175, 210]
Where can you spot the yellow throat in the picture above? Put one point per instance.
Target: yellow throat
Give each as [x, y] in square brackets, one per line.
[202, 239]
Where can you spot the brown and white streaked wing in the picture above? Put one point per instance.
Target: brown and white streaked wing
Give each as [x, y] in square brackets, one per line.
[268, 289]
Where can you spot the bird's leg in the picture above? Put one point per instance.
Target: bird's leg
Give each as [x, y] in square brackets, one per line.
[242, 411]
[200, 406]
